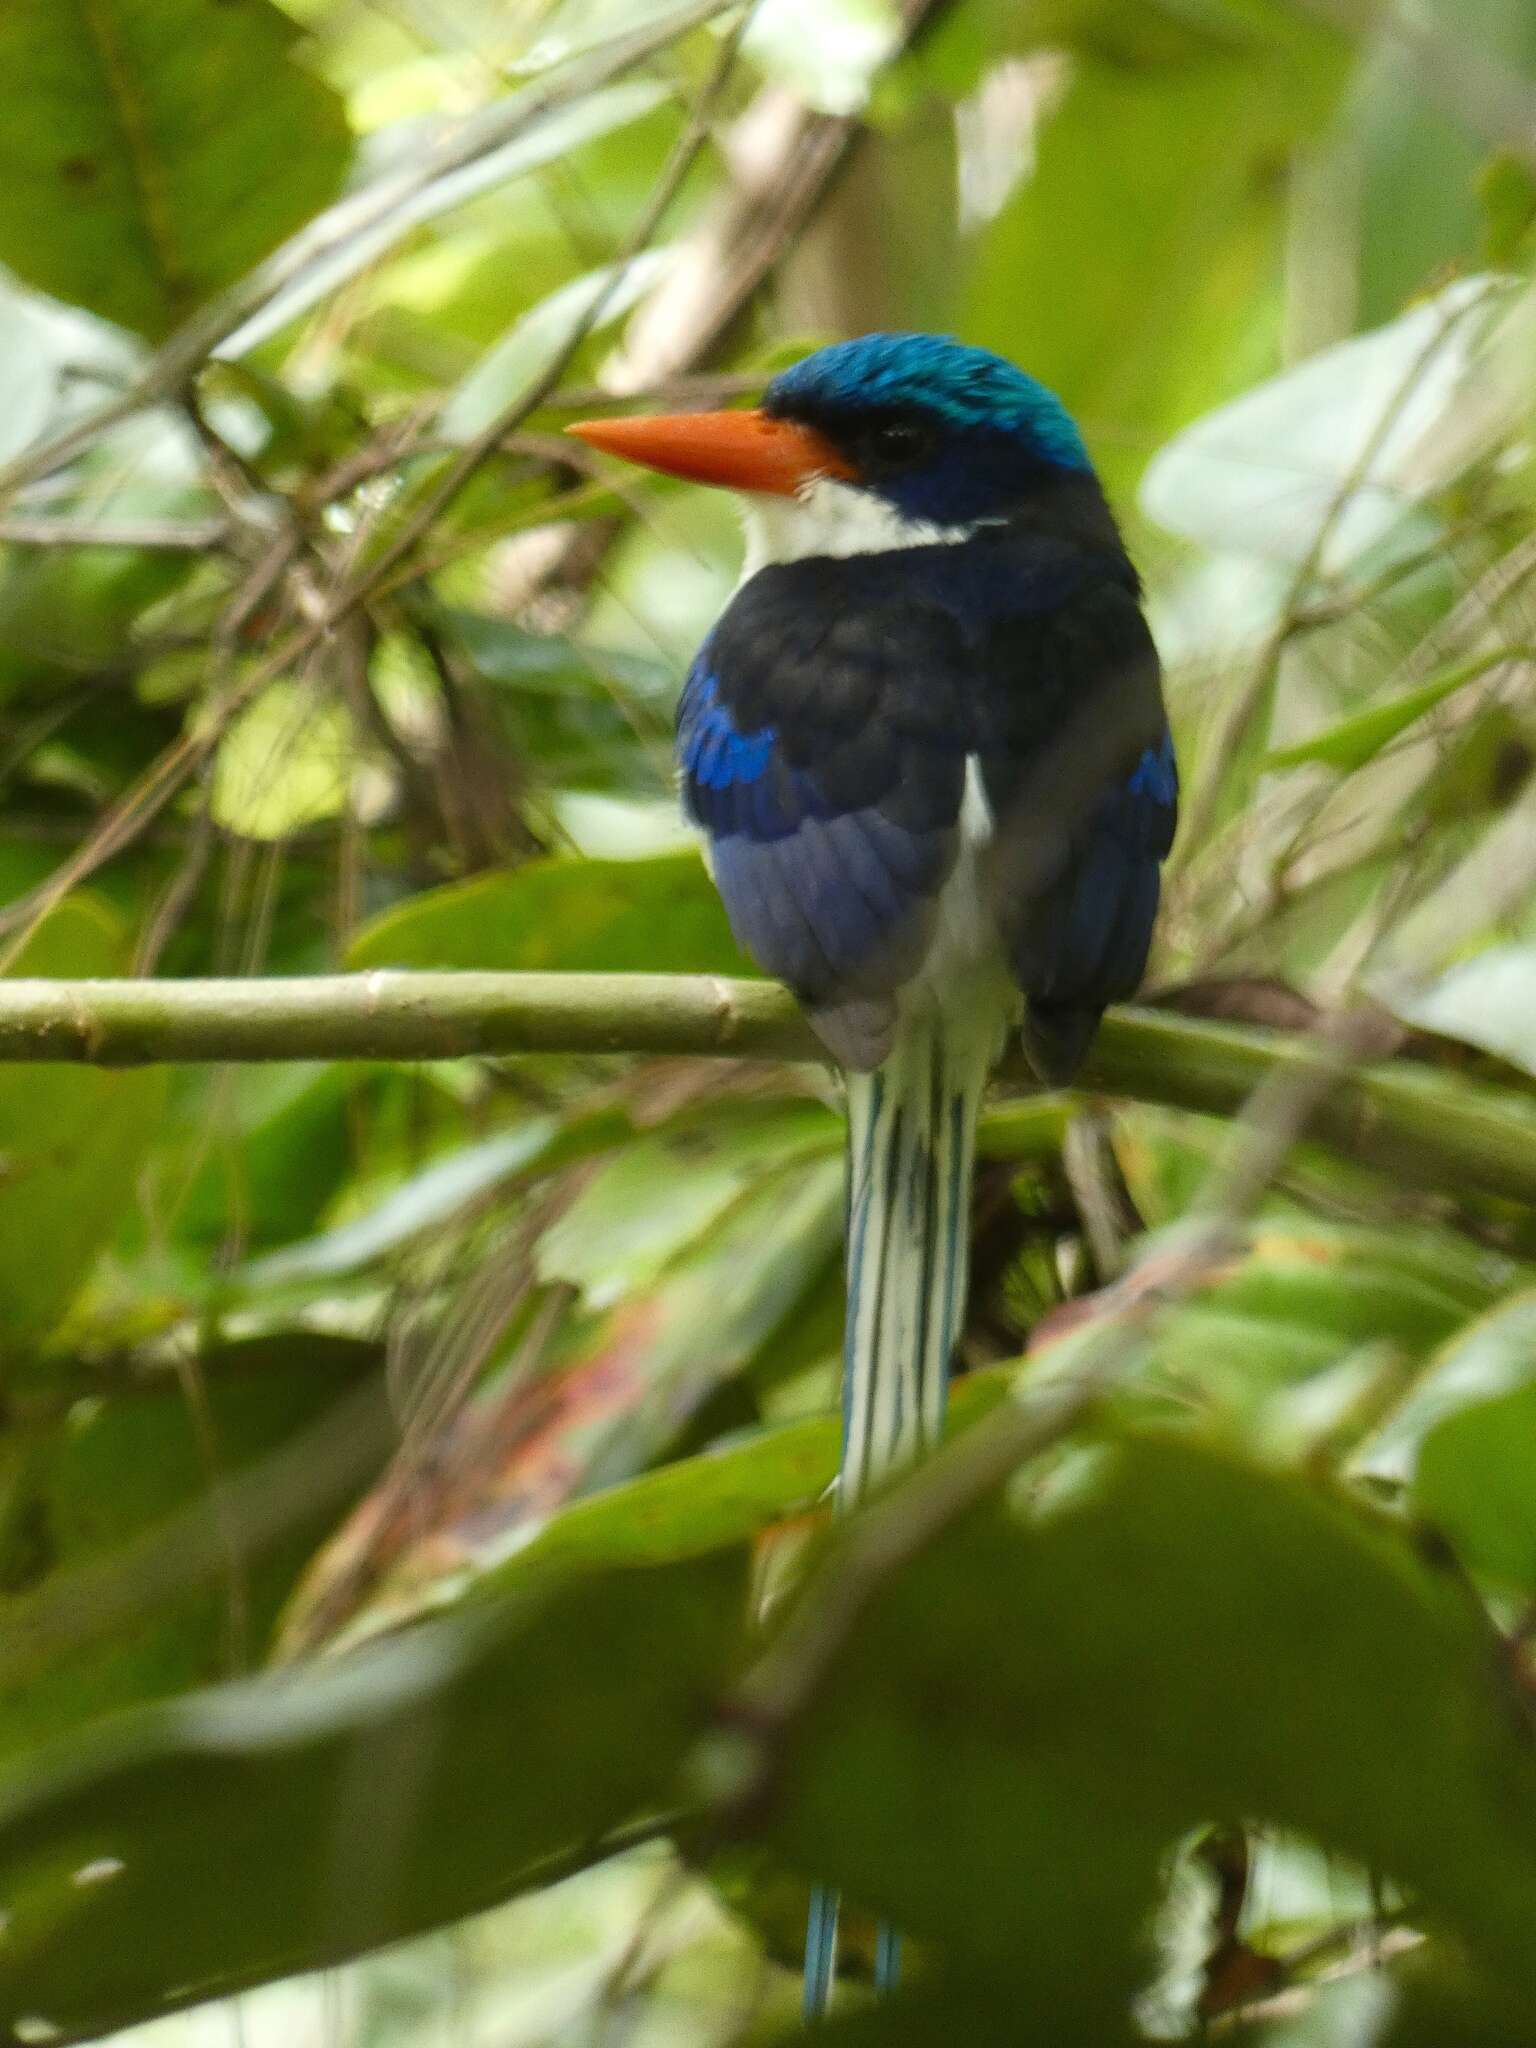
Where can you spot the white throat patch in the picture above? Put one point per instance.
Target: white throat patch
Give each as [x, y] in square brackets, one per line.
[832, 518]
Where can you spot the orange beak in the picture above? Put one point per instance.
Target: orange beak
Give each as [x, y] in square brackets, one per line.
[746, 451]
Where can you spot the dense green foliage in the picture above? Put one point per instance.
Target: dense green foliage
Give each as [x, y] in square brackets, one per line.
[491, 1400]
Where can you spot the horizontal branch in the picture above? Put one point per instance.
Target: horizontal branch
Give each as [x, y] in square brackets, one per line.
[1403, 1116]
[171, 536]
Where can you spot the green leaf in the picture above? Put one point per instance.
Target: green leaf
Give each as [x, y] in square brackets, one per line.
[422, 1202]
[264, 1159]
[1358, 739]
[1506, 191]
[619, 1395]
[286, 761]
[72, 1141]
[357, 1801]
[718, 1497]
[1476, 1482]
[660, 916]
[92, 1497]
[68, 613]
[1494, 1355]
[688, 1508]
[364, 233]
[617, 1236]
[1174, 1636]
[137, 168]
[540, 663]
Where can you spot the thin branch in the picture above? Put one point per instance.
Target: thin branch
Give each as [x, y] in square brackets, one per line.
[170, 536]
[1401, 1116]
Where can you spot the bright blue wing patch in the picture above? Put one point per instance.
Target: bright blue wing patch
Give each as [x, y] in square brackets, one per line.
[713, 753]
[825, 899]
[736, 781]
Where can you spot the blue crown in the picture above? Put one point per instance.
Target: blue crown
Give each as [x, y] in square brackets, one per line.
[968, 387]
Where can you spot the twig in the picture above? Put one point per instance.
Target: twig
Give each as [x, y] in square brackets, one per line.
[170, 536]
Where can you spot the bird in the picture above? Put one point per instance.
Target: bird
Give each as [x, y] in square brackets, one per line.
[926, 746]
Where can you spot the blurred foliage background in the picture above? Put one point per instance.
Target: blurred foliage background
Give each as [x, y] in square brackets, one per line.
[486, 1400]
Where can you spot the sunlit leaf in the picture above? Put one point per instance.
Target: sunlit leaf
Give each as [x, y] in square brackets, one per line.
[594, 301]
[1493, 1356]
[357, 1802]
[1235, 1632]
[426, 1199]
[126, 163]
[1345, 443]
[1489, 1000]
[615, 1236]
[286, 762]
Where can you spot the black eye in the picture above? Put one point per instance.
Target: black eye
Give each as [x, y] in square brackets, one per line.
[895, 443]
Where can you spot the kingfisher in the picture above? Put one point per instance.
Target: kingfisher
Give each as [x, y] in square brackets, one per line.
[926, 746]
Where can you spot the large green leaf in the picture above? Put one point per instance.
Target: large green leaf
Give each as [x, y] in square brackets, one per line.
[71, 1144]
[140, 161]
[1019, 1725]
[245, 1833]
[1476, 1482]
[96, 1500]
[694, 1505]
[660, 915]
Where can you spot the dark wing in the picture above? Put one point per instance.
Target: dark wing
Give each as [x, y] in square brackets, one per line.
[830, 797]
[1085, 810]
